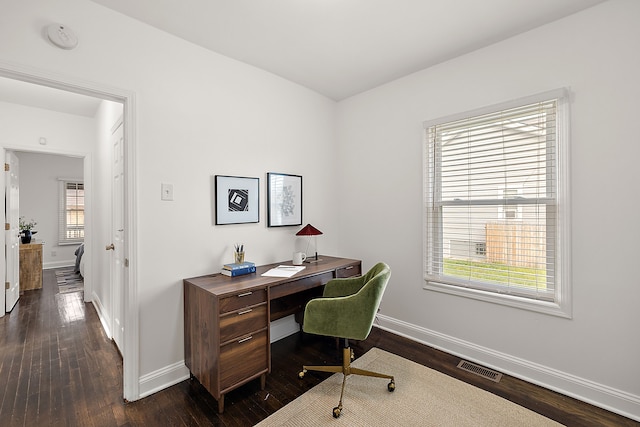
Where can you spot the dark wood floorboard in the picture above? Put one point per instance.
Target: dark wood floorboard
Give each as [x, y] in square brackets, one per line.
[57, 368]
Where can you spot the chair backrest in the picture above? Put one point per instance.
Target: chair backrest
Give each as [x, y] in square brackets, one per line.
[349, 309]
[376, 280]
[364, 303]
[375, 270]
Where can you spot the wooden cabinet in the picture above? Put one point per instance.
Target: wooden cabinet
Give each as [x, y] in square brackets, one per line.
[30, 266]
[226, 339]
[226, 320]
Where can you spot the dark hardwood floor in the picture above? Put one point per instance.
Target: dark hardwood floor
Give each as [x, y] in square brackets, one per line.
[58, 368]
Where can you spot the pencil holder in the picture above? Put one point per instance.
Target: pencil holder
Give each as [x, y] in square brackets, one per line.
[238, 257]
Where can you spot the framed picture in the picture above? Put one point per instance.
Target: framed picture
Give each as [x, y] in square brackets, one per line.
[237, 199]
[284, 199]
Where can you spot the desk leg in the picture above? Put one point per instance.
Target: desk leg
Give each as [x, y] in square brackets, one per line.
[221, 404]
[263, 381]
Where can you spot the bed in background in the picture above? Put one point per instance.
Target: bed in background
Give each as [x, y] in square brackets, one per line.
[79, 268]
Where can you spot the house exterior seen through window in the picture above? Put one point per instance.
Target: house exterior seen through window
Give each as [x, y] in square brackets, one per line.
[496, 204]
[71, 220]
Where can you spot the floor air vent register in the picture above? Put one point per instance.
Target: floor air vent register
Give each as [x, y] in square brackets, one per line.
[480, 370]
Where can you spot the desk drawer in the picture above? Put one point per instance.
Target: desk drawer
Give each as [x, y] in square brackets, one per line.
[242, 322]
[349, 271]
[242, 299]
[300, 285]
[243, 358]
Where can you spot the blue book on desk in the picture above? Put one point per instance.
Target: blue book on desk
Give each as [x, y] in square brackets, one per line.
[239, 271]
[238, 266]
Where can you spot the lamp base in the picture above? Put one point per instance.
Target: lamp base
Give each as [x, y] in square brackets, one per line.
[313, 260]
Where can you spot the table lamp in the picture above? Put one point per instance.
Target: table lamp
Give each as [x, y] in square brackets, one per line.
[310, 230]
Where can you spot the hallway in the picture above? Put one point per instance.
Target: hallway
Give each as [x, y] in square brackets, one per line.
[49, 344]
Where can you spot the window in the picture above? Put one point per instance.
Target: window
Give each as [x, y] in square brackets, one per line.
[496, 204]
[71, 217]
[510, 210]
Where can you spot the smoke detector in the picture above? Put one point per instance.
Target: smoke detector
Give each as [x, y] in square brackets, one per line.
[62, 36]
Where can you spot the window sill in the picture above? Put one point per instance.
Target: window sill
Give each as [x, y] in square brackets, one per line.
[544, 307]
[69, 243]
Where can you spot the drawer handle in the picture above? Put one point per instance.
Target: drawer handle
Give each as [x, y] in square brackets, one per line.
[244, 339]
[246, 294]
[245, 312]
[349, 268]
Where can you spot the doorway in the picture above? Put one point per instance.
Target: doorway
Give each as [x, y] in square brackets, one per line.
[129, 304]
[50, 197]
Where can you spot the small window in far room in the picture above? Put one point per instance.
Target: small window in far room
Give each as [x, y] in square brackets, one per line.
[71, 214]
[497, 205]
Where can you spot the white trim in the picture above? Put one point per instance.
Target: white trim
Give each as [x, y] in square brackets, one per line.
[545, 307]
[282, 328]
[63, 210]
[102, 315]
[544, 96]
[562, 304]
[131, 353]
[618, 401]
[163, 378]
[59, 264]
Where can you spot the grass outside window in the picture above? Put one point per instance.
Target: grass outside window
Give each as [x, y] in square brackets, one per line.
[496, 273]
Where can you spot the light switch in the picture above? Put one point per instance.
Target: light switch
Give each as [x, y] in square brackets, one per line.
[167, 191]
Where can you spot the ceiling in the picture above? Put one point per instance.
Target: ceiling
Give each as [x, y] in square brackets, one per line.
[343, 47]
[337, 48]
[33, 95]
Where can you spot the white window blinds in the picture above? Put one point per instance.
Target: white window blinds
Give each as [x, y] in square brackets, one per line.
[492, 202]
[71, 214]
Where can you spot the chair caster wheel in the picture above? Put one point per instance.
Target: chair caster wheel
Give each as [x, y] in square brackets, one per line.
[391, 386]
[336, 412]
[301, 374]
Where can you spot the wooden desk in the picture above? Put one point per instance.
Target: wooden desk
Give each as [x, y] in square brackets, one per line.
[226, 320]
[30, 266]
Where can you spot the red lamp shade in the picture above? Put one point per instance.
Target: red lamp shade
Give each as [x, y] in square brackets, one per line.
[309, 230]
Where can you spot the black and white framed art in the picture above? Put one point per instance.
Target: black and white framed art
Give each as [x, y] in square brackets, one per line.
[237, 199]
[284, 199]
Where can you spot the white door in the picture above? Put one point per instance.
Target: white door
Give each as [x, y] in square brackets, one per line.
[117, 235]
[12, 236]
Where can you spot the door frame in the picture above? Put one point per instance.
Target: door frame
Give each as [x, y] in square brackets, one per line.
[130, 355]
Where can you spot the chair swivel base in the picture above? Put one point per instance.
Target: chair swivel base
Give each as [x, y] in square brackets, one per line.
[347, 370]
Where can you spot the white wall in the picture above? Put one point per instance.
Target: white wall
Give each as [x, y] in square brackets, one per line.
[595, 53]
[198, 114]
[69, 135]
[40, 196]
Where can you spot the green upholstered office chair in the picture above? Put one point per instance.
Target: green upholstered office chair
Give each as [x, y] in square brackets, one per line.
[347, 310]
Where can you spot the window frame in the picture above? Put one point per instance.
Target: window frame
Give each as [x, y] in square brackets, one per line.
[561, 303]
[62, 212]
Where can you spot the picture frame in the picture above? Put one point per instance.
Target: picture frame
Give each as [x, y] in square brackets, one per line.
[237, 199]
[284, 199]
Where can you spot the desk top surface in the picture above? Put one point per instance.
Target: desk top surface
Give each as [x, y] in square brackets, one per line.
[219, 284]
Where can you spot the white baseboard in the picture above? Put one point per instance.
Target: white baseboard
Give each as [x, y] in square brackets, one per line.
[600, 395]
[102, 314]
[163, 378]
[282, 328]
[58, 264]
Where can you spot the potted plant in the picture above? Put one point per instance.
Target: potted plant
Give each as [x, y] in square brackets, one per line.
[26, 229]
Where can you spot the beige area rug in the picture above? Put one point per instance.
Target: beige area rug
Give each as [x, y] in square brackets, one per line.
[423, 397]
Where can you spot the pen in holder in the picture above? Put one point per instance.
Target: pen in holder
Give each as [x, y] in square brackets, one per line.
[238, 254]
